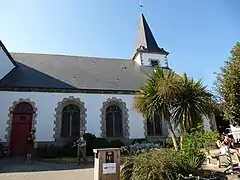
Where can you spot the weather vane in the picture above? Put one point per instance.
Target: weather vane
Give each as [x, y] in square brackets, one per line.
[140, 4]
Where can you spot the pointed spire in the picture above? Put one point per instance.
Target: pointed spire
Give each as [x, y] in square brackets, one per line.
[145, 40]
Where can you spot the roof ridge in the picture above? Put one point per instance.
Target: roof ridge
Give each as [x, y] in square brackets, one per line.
[67, 55]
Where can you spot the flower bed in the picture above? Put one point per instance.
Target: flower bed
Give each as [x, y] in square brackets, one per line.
[138, 148]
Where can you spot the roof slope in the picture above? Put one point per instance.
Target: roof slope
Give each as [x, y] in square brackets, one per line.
[74, 72]
[7, 53]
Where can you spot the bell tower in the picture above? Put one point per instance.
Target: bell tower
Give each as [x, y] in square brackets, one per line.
[146, 51]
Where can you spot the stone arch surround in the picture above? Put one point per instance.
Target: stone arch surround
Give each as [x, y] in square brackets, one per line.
[122, 105]
[10, 115]
[58, 115]
[165, 132]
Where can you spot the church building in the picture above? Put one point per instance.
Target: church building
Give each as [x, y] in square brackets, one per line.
[59, 95]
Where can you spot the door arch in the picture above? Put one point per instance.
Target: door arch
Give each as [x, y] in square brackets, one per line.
[22, 120]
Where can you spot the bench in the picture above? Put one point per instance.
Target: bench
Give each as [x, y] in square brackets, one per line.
[218, 158]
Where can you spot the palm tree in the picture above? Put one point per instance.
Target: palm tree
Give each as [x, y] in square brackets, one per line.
[156, 96]
[192, 103]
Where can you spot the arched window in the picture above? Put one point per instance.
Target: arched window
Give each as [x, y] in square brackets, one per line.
[114, 122]
[70, 121]
[154, 127]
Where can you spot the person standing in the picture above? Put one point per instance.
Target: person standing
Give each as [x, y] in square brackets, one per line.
[81, 149]
[30, 144]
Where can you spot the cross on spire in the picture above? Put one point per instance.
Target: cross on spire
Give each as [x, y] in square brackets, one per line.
[141, 5]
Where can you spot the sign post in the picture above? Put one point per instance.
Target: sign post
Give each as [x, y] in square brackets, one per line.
[107, 164]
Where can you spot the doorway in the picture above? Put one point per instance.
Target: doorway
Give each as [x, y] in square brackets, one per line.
[21, 127]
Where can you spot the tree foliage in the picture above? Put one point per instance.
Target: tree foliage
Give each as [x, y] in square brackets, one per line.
[227, 86]
[156, 96]
[176, 99]
[192, 102]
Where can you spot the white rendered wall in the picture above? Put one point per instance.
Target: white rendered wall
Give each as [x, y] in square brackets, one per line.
[206, 123]
[47, 102]
[5, 64]
[138, 59]
[147, 57]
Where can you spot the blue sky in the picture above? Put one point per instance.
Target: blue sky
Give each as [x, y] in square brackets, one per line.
[198, 34]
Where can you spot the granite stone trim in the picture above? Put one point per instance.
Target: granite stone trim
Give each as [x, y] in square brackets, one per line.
[141, 58]
[58, 116]
[10, 116]
[145, 127]
[125, 116]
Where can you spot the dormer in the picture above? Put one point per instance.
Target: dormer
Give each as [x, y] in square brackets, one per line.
[146, 51]
[7, 63]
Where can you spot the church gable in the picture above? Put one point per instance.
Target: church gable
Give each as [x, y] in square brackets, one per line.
[6, 61]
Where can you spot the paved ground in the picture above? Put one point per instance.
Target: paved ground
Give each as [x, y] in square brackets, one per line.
[15, 169]
[214, 168]
[52, 175]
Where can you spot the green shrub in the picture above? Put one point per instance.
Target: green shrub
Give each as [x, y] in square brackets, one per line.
[192, 145]
[136, 149]
[100, 143]
[163, 164]
[128, 168]
[166, 164]
[53, 151]
[199, 138]
[139, 141]
[169, 142]
[194, 160]
[115, 144]
[90, 138]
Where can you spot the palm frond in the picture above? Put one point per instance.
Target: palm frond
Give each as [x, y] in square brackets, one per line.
[192, 103]
[154, 98]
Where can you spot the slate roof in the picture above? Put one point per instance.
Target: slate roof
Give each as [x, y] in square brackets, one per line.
[145, 40]
[74, 72]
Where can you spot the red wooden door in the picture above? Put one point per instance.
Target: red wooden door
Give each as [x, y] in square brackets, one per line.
[21, 127]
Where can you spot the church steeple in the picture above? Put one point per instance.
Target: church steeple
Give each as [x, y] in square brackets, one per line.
[145, 41]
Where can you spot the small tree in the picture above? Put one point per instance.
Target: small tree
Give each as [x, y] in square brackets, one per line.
[191, 104]
[227, 86]
[156, 96]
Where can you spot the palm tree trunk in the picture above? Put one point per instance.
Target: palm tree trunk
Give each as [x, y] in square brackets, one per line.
[181, 136]
[181, 141]
[172, 134]
[182, 131]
